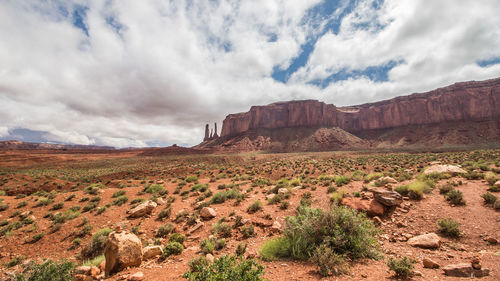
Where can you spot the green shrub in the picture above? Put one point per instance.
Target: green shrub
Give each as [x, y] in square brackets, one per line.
[191, 179]
[275, 248]
[402, 189]
[372, 177]
[165, 213]
[118, 193]
[341, 180]
[220, 244]
[207, 246]
[449, 227]
[95, 261]
[247, 231]
[227, 268]
[241, 249]
[254, 207]
[222, 229]
[37, 237]
[445, 188]
[153, 188]
[489, 199]
[455, 197]
[496, 205]
[49, 270]
[164, 230]
[120, 200]
[328, 261]
[491, 178]
[172, 248]
[402, 267]
[177, 237]
[96, 245]
[197, 264]
[341, 229]
[15, 261]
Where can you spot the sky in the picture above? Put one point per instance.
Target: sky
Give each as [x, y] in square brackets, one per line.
[154, 72]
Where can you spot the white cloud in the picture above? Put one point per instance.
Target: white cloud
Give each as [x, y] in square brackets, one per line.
[171, 67]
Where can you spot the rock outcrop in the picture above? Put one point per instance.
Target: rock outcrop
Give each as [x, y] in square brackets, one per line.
[123, 249]
[458, 102]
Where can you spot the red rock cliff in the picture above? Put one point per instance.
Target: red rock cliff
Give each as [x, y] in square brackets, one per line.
[459, 102]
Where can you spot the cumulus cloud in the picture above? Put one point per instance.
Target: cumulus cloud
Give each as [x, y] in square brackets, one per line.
[136, 73]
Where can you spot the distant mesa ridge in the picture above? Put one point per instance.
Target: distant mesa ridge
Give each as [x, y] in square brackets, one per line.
[460, 102]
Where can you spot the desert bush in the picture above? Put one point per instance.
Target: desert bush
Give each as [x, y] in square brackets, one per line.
[94, 261]
[342, 180]
[372, 176]
[120, 200]
[341, 229]
[402, 267]
[228, 268]
[496, 205]
[97, 243]
[328, 261]
[49, 270]
[473, 175]
[165, 213]
[241, 249]
[153, 188]
[445, 188]
[402, 189]
[200, 187]
[207, 246]
[221, 229]
[491, 178]
[177, 237]
[15, 261]
[455, 197]
[489, 199]
[284, 205]
[21, 204]
[197, 264]
[449, 227]
[118, 193]
[275, 248]
[191, 179]
[172, 248]
[247, 231]
[220, 244]
[254, 207]
[4, 207]
[164, 230]
[337, 196]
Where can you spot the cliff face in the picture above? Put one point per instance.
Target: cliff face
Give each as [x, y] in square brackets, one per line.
[467, 101]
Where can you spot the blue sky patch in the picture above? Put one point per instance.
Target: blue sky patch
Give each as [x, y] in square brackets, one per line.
[488, 62]
[378, 73]
[79, 17]
[316, 16]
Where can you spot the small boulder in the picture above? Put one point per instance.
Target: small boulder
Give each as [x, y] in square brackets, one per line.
[270, 196]
[426, 241]
[208, 213]
[197, 226]
[386, 197]
[464, 270]
[497, 184]
[450, 169]
[388, 180]
[276, 227]
[122, 250]
[85, 270]
[371, 207]
[283, 191]
[143, 209]
[210, 258]
[150, 252]
[428, 263]
[138, 276]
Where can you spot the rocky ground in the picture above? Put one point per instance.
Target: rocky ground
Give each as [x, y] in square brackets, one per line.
[135, 195]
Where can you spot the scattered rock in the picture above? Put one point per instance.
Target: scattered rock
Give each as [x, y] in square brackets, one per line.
[492, 240]
[122, 250]
[371, 207]
[85, 270]
[210, 257]
[197, 226]
[138, 276]
[464, 270]
[386, 197]
[450, 169]
[208, 213]
[497, 184]
[377, 220]
[143, 209]
[150, 252]
[427, 241]
[82, 277]
[94, 271]
[388, 180]
[428, 263]
[283, 191]
[270, 196]
[276, 227]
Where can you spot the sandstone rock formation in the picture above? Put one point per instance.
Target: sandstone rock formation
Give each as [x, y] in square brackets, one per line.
[458, 102]
[123, 249]
[143, 209]
[206, 138]
[462, 113]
